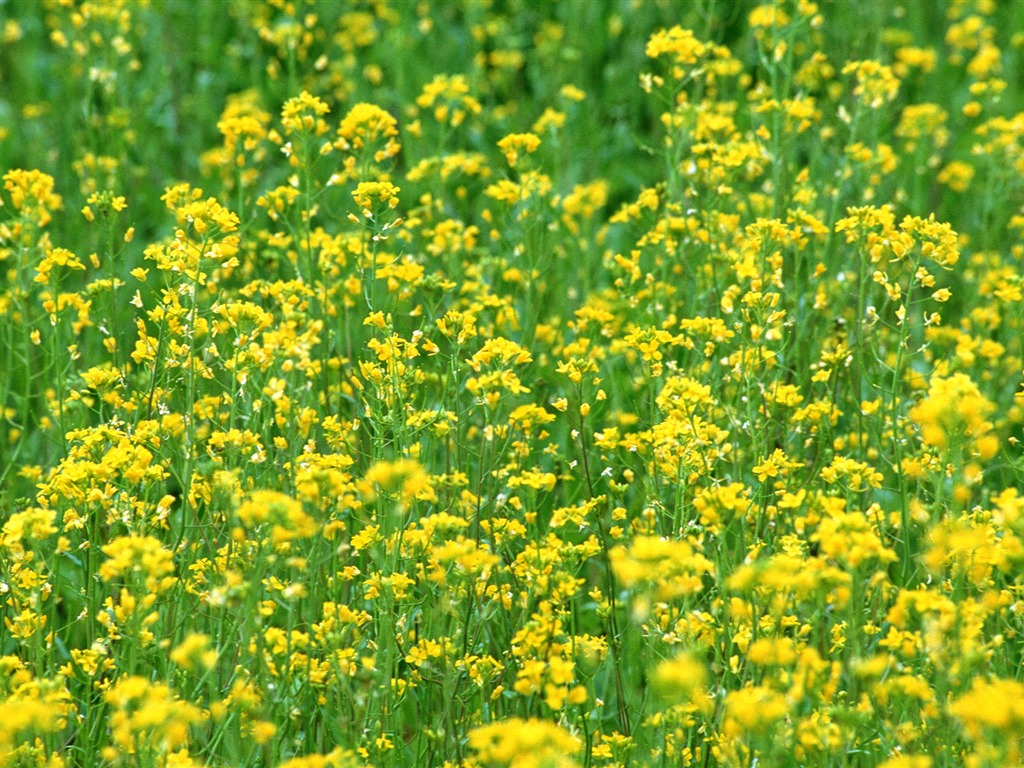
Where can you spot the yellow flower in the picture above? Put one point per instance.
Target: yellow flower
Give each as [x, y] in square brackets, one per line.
[138, 556]
[768, 16]
[56, 257]
[31, 525]
[32, 195]
[683, 680]
[518, 743]
[368, 127]
[336, 758]
[499, 351]
[515, 143]
[243, 124]
[669, 568]
[278, 200]
[772, 651]
[678, 44]
[753, 710]
[956, 175]
[288, 519]
[849, 537]
[954, 413]
[304, 114]
[405, 478]
[148, 713]
[263, 731]
[29, 707]
[449, 98]
[908, 761]
[194, 653]
[376, 196]
[875, 85]
[993, 709]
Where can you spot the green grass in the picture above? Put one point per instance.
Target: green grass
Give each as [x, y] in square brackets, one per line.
[511, 384]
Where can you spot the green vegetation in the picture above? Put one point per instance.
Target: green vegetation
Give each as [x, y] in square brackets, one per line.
[511, 384]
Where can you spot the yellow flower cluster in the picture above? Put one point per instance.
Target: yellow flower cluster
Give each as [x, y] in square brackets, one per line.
[643, 390]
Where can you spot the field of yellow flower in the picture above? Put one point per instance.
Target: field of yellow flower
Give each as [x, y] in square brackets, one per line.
[511, 384]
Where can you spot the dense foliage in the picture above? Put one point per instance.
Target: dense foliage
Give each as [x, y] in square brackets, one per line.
[525, 384]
